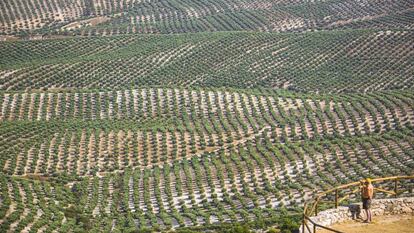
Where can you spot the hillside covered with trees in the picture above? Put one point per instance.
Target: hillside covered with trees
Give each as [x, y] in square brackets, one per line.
[151, 115]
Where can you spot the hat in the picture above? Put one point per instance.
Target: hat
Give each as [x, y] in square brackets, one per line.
[368, 180]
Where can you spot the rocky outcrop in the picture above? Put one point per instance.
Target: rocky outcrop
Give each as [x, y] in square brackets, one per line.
[393, 206]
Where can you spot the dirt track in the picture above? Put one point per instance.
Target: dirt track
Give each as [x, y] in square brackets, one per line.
[383, 224]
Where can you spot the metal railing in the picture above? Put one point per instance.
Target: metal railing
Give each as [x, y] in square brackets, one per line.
[311, 207]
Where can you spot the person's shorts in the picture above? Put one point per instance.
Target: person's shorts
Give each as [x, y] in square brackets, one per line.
[366, 203]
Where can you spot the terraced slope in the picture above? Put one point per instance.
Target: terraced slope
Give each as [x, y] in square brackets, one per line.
[175, 157]
[336, 61]
[109, 17]
[115, 116]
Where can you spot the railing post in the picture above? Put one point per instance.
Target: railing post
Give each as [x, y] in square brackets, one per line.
[396, 187]
[304, 217]
[336, 198]
[303, 223]
[316, 204]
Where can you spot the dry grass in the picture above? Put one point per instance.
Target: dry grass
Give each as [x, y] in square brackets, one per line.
[383, 224]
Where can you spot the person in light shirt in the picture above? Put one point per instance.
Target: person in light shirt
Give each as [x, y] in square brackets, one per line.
[367, 193]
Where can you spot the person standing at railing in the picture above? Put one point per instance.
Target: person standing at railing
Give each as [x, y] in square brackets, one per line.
[367, 193]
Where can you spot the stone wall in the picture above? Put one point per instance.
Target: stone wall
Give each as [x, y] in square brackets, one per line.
[392, 206]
